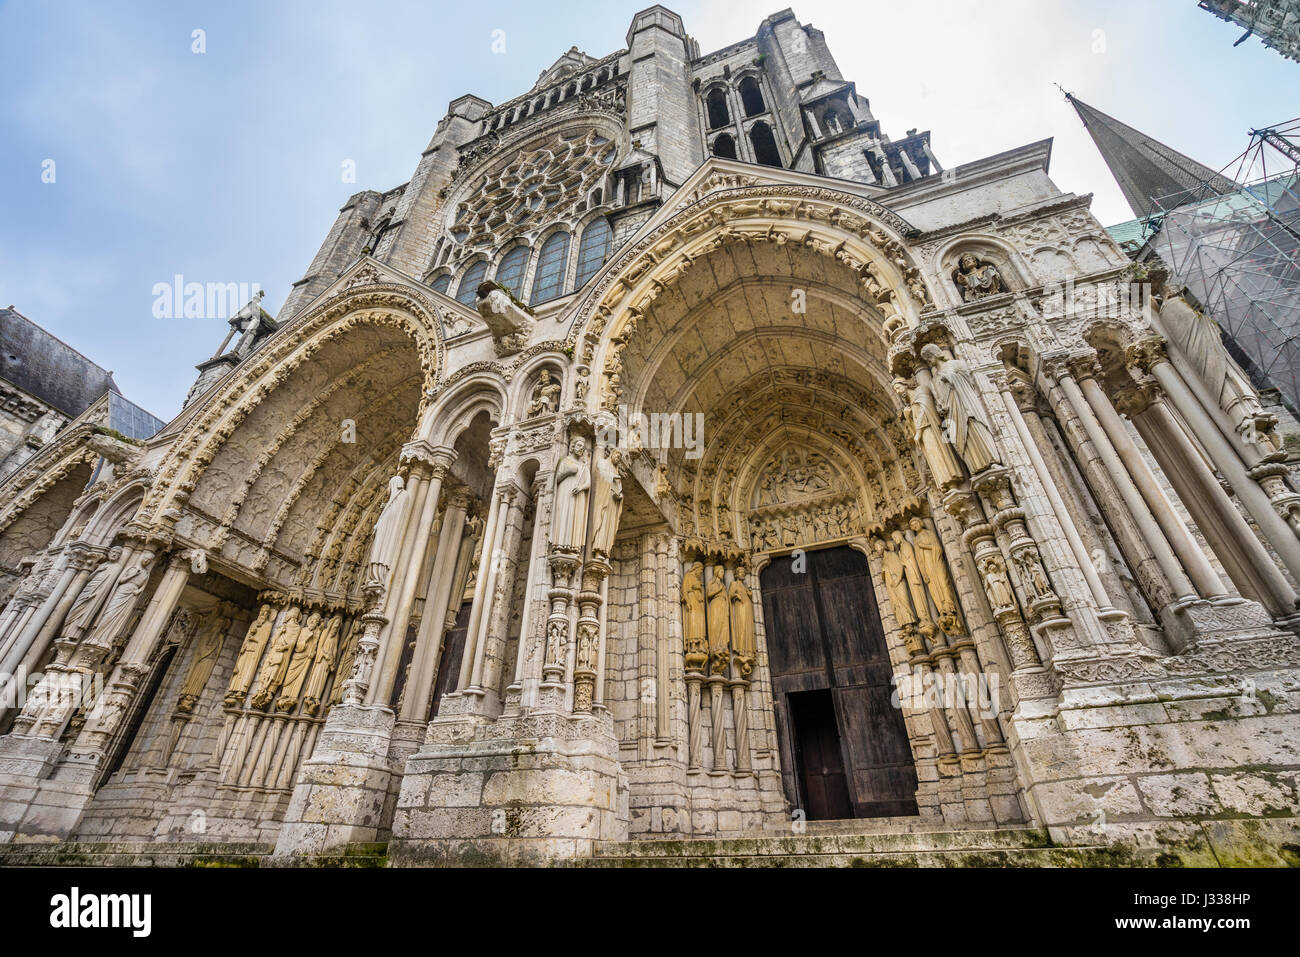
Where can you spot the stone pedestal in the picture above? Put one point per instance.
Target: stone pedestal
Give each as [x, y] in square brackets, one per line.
[341, 790]
[529, 790]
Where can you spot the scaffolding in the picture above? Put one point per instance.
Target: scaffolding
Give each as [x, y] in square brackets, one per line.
[1238, 253]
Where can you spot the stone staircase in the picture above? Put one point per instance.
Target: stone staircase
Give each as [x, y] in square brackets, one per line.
[897, 842]
[175, 854]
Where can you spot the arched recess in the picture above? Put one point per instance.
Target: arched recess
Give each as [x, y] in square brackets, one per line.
[283, 462]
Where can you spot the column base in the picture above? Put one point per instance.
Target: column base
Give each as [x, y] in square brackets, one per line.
[532, 789]
[342, 788]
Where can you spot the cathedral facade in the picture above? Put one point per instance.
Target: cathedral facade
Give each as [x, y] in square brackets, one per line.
[676, 456]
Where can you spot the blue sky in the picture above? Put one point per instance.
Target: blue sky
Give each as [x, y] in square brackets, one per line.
[226, 166]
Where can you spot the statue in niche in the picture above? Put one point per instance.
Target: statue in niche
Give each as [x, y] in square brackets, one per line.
[1032, 574]
[271, 675]
[322, 665]
[304, 653]
[996, 583]
[206, 649]
[976, 278]
[791, 530]
[891, 569]
[117, 612]
[719, 621]
[388, 531]
[912, 573]
[1199, 338]
[588, 647]
[934, 572]
[79, 614]
[572, 486]
[606, 500]
[693, 619]
[251, 650]
[957, 397]
[742, 623]
[724, 520]
[546, 395]
[922, 419]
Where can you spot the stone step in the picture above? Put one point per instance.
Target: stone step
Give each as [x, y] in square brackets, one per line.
[864, 840]
[177, 854]
[964, 857]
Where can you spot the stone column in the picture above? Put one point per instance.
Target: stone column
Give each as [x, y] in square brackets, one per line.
[553, 691]
[1020, 405]
[716, 685]
[664, 616]
[428, 469]
[428, 643]
[484, 675]
[1249, 565]
[1176, 585]
[1150, 355]
[40, 626]
[124, 683]
[1198, 567]
[740, 715]
[588, 634]
[536, 553]
[482, 596]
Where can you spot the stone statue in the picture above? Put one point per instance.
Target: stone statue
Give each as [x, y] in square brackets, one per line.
[912, 573]
[346, 656]
[79, 615]
[957, 397]
[206, 649]
[996, 583]
[719, 621]
[934, 569]
[976, 278]
[117, 612]
[572, 487]
[606, 500]
[388, 531]
[1033, 575]
[323, 665]
[546, 395]
[1200, 340]
[271, 675]
[696, 643]
[891, 569]
[922, 418]
[251, 650]
[304, 653]
[742, 623]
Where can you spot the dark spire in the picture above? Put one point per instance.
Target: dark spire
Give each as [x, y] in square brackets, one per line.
[1146, 169]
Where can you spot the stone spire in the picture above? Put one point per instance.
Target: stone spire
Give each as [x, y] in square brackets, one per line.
[1145, 169]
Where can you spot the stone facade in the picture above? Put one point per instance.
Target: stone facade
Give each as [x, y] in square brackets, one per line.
[482, 549]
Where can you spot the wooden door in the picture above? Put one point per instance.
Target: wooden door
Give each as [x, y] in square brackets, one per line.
[824, 635]
[819, 757]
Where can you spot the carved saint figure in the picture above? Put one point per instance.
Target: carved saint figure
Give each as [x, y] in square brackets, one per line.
[719, 621]
[606, 500]
[546, 395]
[251, 650]
[693, 615]
[1199, 338]
[304, 653]
[976, 278]
[79, 614]
[922, 417]
[322, 665]
[957, 397]
[572, 486]
[912, 572]
[388, 530]
[742, 622]
[346, 657]
[206, 649]
[934, 570]
[271, 675]
[996, 583]
[117, 612]
[891, 569]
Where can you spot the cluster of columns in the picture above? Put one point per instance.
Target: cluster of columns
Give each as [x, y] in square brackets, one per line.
[1091, 401]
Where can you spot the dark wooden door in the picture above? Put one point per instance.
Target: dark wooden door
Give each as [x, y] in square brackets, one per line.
[453, 650]
[824, 635]
[819, 757]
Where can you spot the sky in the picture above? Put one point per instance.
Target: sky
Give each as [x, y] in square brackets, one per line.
[133, 149]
